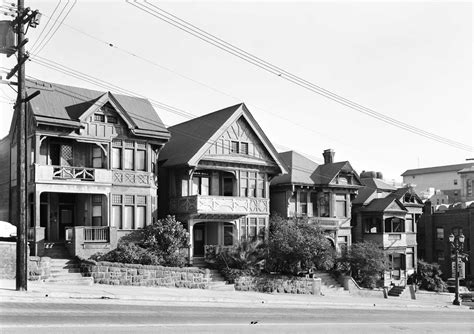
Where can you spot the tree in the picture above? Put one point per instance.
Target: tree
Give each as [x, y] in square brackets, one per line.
[366, 262]
[296, 245]
[428, 277]
[157, 244]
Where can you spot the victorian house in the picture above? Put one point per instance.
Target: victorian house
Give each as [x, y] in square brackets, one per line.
[388, 216]
[321, 193]
[91, 167]
[214, 177]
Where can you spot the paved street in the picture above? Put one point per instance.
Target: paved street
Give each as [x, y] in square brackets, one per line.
[61, 316]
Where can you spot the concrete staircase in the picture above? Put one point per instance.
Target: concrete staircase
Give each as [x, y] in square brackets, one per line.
[64, 269]
[217, 281]
[396, 291]
[329, 285]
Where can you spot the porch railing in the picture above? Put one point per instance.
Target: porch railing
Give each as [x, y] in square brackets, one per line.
[79, 173]
[96, 234]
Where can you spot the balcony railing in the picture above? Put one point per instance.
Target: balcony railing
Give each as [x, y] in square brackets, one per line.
[50, 173]
[330, 223]
[219, 205]
[96, 234]
[78, 173]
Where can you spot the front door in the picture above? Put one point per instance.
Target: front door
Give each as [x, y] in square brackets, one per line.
[66, 219]
[198, 238]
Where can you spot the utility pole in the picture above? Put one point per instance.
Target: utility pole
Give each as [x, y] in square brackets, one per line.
[22, 231]
[24, 17]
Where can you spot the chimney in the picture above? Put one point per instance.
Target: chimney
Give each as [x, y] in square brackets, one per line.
[328, 156]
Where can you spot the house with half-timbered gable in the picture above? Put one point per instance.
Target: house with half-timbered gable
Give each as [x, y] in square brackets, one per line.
[91, 167]
[214, 177]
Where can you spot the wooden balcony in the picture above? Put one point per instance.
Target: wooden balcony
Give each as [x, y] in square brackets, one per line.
[219, 205]
[64, 174]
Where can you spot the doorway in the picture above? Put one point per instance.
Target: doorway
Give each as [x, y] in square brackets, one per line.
[198, 239]
[66, 219]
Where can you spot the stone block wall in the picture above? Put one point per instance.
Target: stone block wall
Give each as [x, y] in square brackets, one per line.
[144, 275]
[38, 267]
[7, 260]
[281, 284]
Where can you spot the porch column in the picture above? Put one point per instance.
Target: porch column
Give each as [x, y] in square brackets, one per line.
[191, 240]
[38, 231]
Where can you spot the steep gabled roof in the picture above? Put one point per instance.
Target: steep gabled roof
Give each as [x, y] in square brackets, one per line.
[300, 169]
[64, 105]
[363, 195]
[382, 204]
[191, 140]
[437, 169]
[326, 173]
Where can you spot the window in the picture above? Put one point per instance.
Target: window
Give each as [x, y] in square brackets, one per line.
[324, 205]
[200, 183]
[342, 242]
[395, 225]
[129, 211]
[141, 160]
[303, 203]
[341, 205]
[410, 258]
[314, 201]
[457, 231]
[372, 225]
[97, 160]
[234, 147]
[97, 210]
[455, 182]
[128, 159]
[99, 117]
[409, 223]
[112, 119]
[244, 148]
[469, 188]
[129, 155]
[252, 184]
[252, 228]
[116, 158]
[439, 233]
[228, 234]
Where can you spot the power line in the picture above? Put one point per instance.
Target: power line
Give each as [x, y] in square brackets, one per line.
[82, 76]
[254, 60]
[44, 27]
[57, 27]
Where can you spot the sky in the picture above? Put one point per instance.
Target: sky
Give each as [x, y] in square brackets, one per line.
[411, 61]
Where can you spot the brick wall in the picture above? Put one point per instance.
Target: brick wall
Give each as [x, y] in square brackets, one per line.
[281, 284]
[142, 275]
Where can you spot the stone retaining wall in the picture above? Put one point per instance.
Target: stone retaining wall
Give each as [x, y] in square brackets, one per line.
[38, 267]
[281, 284]
[144, 275]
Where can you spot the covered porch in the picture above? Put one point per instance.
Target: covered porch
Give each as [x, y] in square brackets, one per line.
[77, 219]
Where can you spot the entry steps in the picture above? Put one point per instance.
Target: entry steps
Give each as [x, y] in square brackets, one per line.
[64, 269]
[396, 291]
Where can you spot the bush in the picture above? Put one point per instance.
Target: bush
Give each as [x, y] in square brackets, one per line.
[247, 255]
[297, 245]
[366, 261]
[428, 277]
[156, 244]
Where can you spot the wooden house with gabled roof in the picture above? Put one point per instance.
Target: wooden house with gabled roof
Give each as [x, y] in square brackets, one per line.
[92, 172]
[214, 177]
[321, 193]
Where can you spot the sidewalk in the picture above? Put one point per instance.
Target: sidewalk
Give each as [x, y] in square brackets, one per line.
[98, 293]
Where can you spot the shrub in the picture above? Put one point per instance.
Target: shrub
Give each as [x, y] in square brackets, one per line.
[366, 261]
[428, 277]
[297, 245]
[156, 244]
[247, 255]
